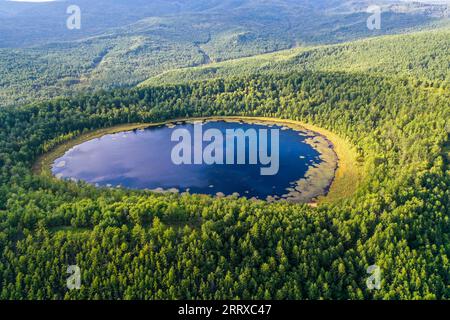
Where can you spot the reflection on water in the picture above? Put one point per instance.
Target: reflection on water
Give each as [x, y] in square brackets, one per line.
[142, 160]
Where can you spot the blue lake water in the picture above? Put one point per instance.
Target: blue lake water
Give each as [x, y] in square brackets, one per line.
[143, 159]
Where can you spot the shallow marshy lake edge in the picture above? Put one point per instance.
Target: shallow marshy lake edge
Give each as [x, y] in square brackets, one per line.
[336, 178]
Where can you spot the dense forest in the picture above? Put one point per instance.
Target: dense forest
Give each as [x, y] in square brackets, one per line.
[140, 245]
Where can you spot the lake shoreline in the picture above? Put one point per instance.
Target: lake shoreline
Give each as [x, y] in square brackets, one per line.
[338, 160]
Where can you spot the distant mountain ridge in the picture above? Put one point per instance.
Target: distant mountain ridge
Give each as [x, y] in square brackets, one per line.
[25, 24]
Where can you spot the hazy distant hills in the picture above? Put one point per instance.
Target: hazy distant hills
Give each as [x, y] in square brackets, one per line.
[25, 24]
[122, 43]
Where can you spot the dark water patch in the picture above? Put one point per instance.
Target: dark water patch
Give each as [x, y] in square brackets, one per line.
[143, 159]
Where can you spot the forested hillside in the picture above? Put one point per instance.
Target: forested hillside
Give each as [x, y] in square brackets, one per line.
[423, 56]
[135, 244]
[122, 43]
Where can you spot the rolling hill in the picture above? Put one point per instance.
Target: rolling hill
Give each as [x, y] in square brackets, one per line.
[122, 43]
[422, 56]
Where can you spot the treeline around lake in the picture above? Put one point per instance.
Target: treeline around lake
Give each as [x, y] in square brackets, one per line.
[139, 245]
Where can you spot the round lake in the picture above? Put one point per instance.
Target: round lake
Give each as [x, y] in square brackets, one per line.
[199, 158]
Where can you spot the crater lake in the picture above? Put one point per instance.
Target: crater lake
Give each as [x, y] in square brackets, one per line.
[151, 159]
